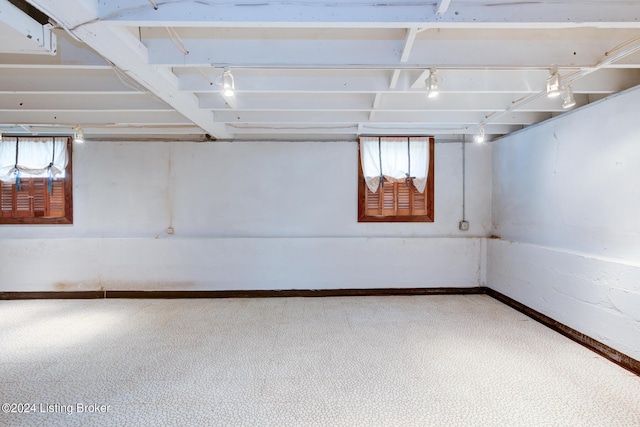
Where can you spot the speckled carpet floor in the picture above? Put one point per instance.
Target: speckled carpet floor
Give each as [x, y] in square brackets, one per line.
[460, 360]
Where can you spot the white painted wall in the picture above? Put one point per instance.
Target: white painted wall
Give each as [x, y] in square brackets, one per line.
[246, 215]
[566, 203]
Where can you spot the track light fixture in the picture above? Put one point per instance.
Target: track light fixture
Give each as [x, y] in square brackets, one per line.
[479, 137]
[432, 83]
[567, 96]
[78, 135]
[553, 85]
[228, 85]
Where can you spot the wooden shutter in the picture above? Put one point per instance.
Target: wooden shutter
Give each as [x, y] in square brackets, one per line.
[33, 200]
[388, 199]
[404, 198]
[395, 199]
[419, 203]
[55, 206]
[6, 204]
[39, 197]
[23, 208]
[373, 202]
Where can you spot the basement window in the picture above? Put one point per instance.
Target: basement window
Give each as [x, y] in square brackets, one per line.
[35, 180]
[396, 179]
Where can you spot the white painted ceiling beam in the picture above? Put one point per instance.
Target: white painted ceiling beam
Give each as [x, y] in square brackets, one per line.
[408, 44]
[301, 53]
[406, 51]
[443, 49]
[187, 133]
[432, 129]
[349, 135]
[63, 80]
[389, 102]
[69, 54]
[104, 102]
[630, 61]
[149, 129]
[475, 102]
[433, 117]
[316, 101]
[442, 6]
[369, 14]
[25, 62]
[275, 81]
[124, 50]
[315, 129]
[303, 130]
[74, 117]
[395, 77]
[249, 81]
[420, 82]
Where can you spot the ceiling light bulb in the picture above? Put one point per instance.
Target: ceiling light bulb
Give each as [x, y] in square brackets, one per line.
[228, 91]
[228, 85]
[567, 96]
[479, 137]
[78, 135]
[432, 84]
[553, 85]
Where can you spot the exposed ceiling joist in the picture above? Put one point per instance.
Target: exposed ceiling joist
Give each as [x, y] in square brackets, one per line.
[394, 79]
[125, 51]
[286, 82]
[389, 128]
[406, 51]
[313, 70]
[419, 82]
[46, 80]
[374, 107]
[407, 102]
[442, 7]
[64, 117]
[408, 44]
[115, 132]
[70, 54]
[340, 117]
[391, 14]
[118, 101]
[380, 49]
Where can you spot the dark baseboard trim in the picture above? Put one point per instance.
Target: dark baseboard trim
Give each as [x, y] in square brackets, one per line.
[241, 294]
[602, 349]
[52, 295]
[285, 293]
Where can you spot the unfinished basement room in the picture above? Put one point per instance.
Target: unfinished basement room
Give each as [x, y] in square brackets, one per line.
[319, 213]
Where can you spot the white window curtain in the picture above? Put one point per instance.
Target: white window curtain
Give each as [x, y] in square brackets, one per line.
[36, 157]
[392, 154]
